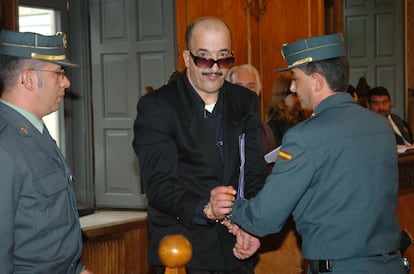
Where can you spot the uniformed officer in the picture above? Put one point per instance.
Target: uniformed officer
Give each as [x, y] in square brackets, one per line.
[40, 231]
[336, 173]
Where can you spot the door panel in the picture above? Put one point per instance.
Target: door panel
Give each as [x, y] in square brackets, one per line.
[374, 41]
[133, 46]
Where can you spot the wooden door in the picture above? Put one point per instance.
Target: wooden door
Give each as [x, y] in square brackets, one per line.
[8, 14]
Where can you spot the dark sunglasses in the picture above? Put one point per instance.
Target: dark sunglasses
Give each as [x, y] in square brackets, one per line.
[209, 63]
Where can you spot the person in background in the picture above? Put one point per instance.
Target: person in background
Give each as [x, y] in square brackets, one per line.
[186, 137]
[247, 76]
[344, 212]
[173, 76]
[379, 101]
[40, 230]
[363, 91]
[353, 92]
[148, 89]
[284, 110]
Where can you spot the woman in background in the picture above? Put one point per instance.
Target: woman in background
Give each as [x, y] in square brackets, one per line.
[284, 109]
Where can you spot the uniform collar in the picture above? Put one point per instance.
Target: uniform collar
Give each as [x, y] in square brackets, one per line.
[38, 124]
[333, 100]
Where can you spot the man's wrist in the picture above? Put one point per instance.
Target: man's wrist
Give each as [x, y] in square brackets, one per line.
[208, 214]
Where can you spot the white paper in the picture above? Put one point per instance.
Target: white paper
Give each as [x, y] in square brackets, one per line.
[403, 148]
[271, 157]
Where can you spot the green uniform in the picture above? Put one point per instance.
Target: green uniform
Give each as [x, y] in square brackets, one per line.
[337, 173]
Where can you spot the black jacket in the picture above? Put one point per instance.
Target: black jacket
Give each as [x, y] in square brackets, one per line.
[404, 129]
[180, 164]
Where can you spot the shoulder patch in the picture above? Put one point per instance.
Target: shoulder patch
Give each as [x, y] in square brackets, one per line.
[285, 155]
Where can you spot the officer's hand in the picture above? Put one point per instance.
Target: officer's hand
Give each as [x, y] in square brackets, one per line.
[85, 271]
[246, 245]
[231, 227]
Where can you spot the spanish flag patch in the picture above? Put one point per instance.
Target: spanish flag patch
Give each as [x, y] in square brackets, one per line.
[285, 155]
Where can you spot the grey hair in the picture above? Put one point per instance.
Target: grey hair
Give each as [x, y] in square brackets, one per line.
[248, 68]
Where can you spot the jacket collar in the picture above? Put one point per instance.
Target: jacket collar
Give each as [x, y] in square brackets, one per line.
[331, 101]
[25, 129]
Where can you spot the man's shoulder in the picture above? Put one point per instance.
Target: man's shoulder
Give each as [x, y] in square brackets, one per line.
[167, 93]
[164, 90]
[3, 125]
[401, 123]
[238, 90]
[169, 98]
[239, 95]
[395, 117]
[10, 138]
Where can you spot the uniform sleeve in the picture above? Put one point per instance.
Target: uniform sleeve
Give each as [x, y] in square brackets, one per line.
[9, 186]
[268, 210]
[80, 267]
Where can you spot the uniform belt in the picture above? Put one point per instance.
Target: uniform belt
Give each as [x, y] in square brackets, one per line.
[320, 266]
[325, 266]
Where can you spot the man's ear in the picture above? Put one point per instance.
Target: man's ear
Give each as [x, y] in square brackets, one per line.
[318, 81]
[28, 79]
[186, 57]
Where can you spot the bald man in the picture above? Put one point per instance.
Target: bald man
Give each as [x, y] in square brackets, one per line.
[187, 140]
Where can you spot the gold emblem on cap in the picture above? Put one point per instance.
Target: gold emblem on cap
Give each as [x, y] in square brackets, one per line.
[64, 38]
[24, 130]
[301, 61]
[48, 57]
[281, 50]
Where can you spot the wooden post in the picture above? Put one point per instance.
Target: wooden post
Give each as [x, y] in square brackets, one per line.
[8, 14]
[175, 252]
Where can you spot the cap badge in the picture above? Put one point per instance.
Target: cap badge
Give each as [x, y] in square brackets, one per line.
[64, 38]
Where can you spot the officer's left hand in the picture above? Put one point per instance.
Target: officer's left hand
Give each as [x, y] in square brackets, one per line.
[246, 245]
